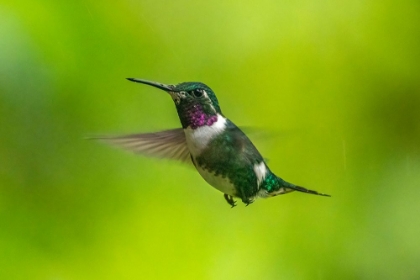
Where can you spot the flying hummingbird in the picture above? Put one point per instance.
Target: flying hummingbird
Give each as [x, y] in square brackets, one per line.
[222, 154]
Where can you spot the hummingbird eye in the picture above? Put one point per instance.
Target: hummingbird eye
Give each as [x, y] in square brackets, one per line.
[197, 92]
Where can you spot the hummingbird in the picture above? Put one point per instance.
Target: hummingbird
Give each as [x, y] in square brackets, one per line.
[219, 150]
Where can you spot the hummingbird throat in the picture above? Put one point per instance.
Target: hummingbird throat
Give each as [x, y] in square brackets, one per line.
[196, 117]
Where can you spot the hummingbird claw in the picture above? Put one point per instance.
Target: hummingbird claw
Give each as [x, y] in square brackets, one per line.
[249, 202]
[230, 200]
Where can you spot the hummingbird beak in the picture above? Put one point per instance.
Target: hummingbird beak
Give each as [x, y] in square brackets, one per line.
[168, 88]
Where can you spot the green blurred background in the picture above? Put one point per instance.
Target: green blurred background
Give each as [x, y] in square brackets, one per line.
[334, 87]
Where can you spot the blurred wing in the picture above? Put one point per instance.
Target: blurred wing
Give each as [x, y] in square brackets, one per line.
[169, 144]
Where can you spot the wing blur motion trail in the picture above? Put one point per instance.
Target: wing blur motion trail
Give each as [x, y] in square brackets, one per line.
[168, 144]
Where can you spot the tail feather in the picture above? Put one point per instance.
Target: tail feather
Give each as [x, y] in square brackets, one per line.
[274, 185]
[304, 190]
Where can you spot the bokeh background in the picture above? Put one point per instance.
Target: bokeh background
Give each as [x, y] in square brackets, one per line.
[331, 87]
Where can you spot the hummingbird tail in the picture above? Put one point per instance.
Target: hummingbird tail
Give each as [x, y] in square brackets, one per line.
[305, 190]
[280, 186]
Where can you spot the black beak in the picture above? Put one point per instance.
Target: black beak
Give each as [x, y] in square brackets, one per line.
[153, 84]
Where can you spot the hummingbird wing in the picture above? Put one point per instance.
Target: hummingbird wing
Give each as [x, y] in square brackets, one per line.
[169, 144]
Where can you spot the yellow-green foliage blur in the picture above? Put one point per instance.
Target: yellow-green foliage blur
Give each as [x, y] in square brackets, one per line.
[331, 88]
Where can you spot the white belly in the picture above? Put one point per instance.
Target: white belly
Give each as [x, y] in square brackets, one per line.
[220, 183]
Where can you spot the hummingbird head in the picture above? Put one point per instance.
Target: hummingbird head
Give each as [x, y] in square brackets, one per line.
[196, 103]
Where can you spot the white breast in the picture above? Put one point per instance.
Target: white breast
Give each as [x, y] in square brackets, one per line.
[198, 139]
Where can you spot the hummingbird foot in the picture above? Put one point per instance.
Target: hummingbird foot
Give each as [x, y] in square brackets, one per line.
[230, 200]
[248, 201]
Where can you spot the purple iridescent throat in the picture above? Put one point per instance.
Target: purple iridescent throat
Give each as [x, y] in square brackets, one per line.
[195, 117]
